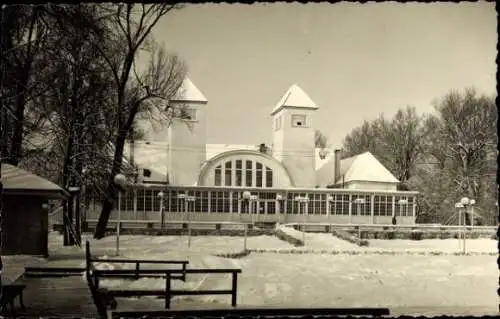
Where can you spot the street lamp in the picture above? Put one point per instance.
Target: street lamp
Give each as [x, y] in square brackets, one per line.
[246, 200]
[459, 206]
[189, 199]
[162, 214]
[253, 202]
[183, 198]
[279, 201]
[121, 183]
[472, 202]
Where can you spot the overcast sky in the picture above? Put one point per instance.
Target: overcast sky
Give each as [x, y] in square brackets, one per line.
[353, 60]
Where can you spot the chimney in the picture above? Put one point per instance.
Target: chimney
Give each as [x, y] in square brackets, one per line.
[336, 158]
[263, 148]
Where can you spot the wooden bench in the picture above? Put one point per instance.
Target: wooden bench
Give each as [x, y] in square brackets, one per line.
[9, 294]
[102, 297]
[168, 292]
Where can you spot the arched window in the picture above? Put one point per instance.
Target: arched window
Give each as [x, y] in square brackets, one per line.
[243, 173]
[269, 177]
[228, 174]
[218, 177]
[244, 168]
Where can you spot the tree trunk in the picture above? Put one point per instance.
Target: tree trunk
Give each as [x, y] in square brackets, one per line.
[17, 139]
[111, 192]
[65, 182]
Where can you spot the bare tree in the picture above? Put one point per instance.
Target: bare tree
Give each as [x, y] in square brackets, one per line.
[132, 25]
[464, 138]
[397, 143]
[23, 34]
[403, 142]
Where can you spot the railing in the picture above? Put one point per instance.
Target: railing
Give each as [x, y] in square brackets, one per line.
[433, 227]
[137, 272]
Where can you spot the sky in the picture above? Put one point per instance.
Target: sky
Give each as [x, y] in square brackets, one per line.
[354, 60]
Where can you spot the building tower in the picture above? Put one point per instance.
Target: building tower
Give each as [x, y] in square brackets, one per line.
[293, 135]
[186, 135]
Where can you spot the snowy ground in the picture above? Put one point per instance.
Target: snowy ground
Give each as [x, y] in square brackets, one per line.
[427, 285]
[328, 241]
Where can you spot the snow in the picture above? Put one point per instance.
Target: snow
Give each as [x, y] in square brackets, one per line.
[188, 92]
[13, 266]
[366, 167]
[319, 240]
[295, 97]
[415, 284]
[480, 245]
[367, 280]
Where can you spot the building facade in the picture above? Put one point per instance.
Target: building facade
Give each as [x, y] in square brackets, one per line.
[289, 181]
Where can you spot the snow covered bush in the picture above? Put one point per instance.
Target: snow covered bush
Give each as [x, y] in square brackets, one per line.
[290, 235]
[350, 238]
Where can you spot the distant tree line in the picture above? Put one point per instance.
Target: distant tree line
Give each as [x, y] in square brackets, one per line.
[445, 156]
[71, 93]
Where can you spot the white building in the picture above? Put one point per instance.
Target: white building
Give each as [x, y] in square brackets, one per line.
[361, 189]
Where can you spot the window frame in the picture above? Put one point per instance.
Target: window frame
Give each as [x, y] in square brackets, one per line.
[302, 116]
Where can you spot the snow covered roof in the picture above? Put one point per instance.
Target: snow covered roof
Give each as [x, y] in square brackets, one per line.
[365, 167]
[294, 97]
[19, 181]
[213, 150]
[362, 167]
[188, 92]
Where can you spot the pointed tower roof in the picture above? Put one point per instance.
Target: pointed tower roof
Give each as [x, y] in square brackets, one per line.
[188, 92]
[295, 97]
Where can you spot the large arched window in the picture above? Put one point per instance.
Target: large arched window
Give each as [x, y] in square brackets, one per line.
[251, 174]
[244, 168]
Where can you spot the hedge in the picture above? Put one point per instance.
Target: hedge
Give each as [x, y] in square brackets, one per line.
[415, 234]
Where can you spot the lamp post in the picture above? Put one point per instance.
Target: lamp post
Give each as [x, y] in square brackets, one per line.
[121, 183]
[466, 202]
[329, 201]
[183, 198]
[189, 199]
[253, 202]
[472, 202]
[162, 214]
[279, 201]
[246, 200]
[458, 207]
